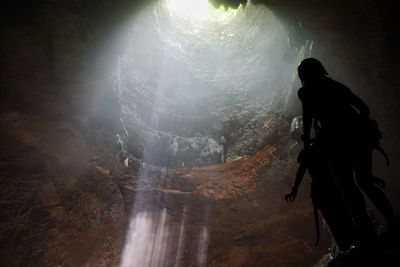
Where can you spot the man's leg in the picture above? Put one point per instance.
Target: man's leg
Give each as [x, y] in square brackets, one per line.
[354, 198]
[375, 194]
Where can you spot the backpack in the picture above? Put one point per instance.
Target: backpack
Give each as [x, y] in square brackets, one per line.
[372, 135]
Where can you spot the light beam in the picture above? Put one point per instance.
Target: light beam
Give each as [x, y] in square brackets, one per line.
[196, 9]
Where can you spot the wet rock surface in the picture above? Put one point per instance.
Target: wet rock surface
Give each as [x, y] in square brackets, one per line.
[382, 251]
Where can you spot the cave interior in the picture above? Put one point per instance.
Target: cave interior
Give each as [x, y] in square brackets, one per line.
[159, 133]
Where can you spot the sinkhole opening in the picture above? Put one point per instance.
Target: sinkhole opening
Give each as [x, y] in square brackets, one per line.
[199, 85]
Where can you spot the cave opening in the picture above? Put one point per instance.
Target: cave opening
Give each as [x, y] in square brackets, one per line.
[195, 80]
[201, 90]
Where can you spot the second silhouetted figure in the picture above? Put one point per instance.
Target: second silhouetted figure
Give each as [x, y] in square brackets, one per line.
[342, 119]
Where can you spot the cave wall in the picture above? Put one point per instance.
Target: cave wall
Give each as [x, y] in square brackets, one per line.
[58, 119]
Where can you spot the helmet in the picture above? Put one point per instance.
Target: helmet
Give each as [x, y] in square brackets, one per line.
[296, 128]
[310, 69]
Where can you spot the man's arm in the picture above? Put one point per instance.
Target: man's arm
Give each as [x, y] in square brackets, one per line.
[359, 105]
[307, 117]
[356, 102]
[299, 178]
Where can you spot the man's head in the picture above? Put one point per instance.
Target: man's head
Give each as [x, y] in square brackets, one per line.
[311, 69]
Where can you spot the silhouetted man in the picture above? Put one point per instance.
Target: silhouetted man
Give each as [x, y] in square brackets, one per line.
[326, 196]
[341, 116]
